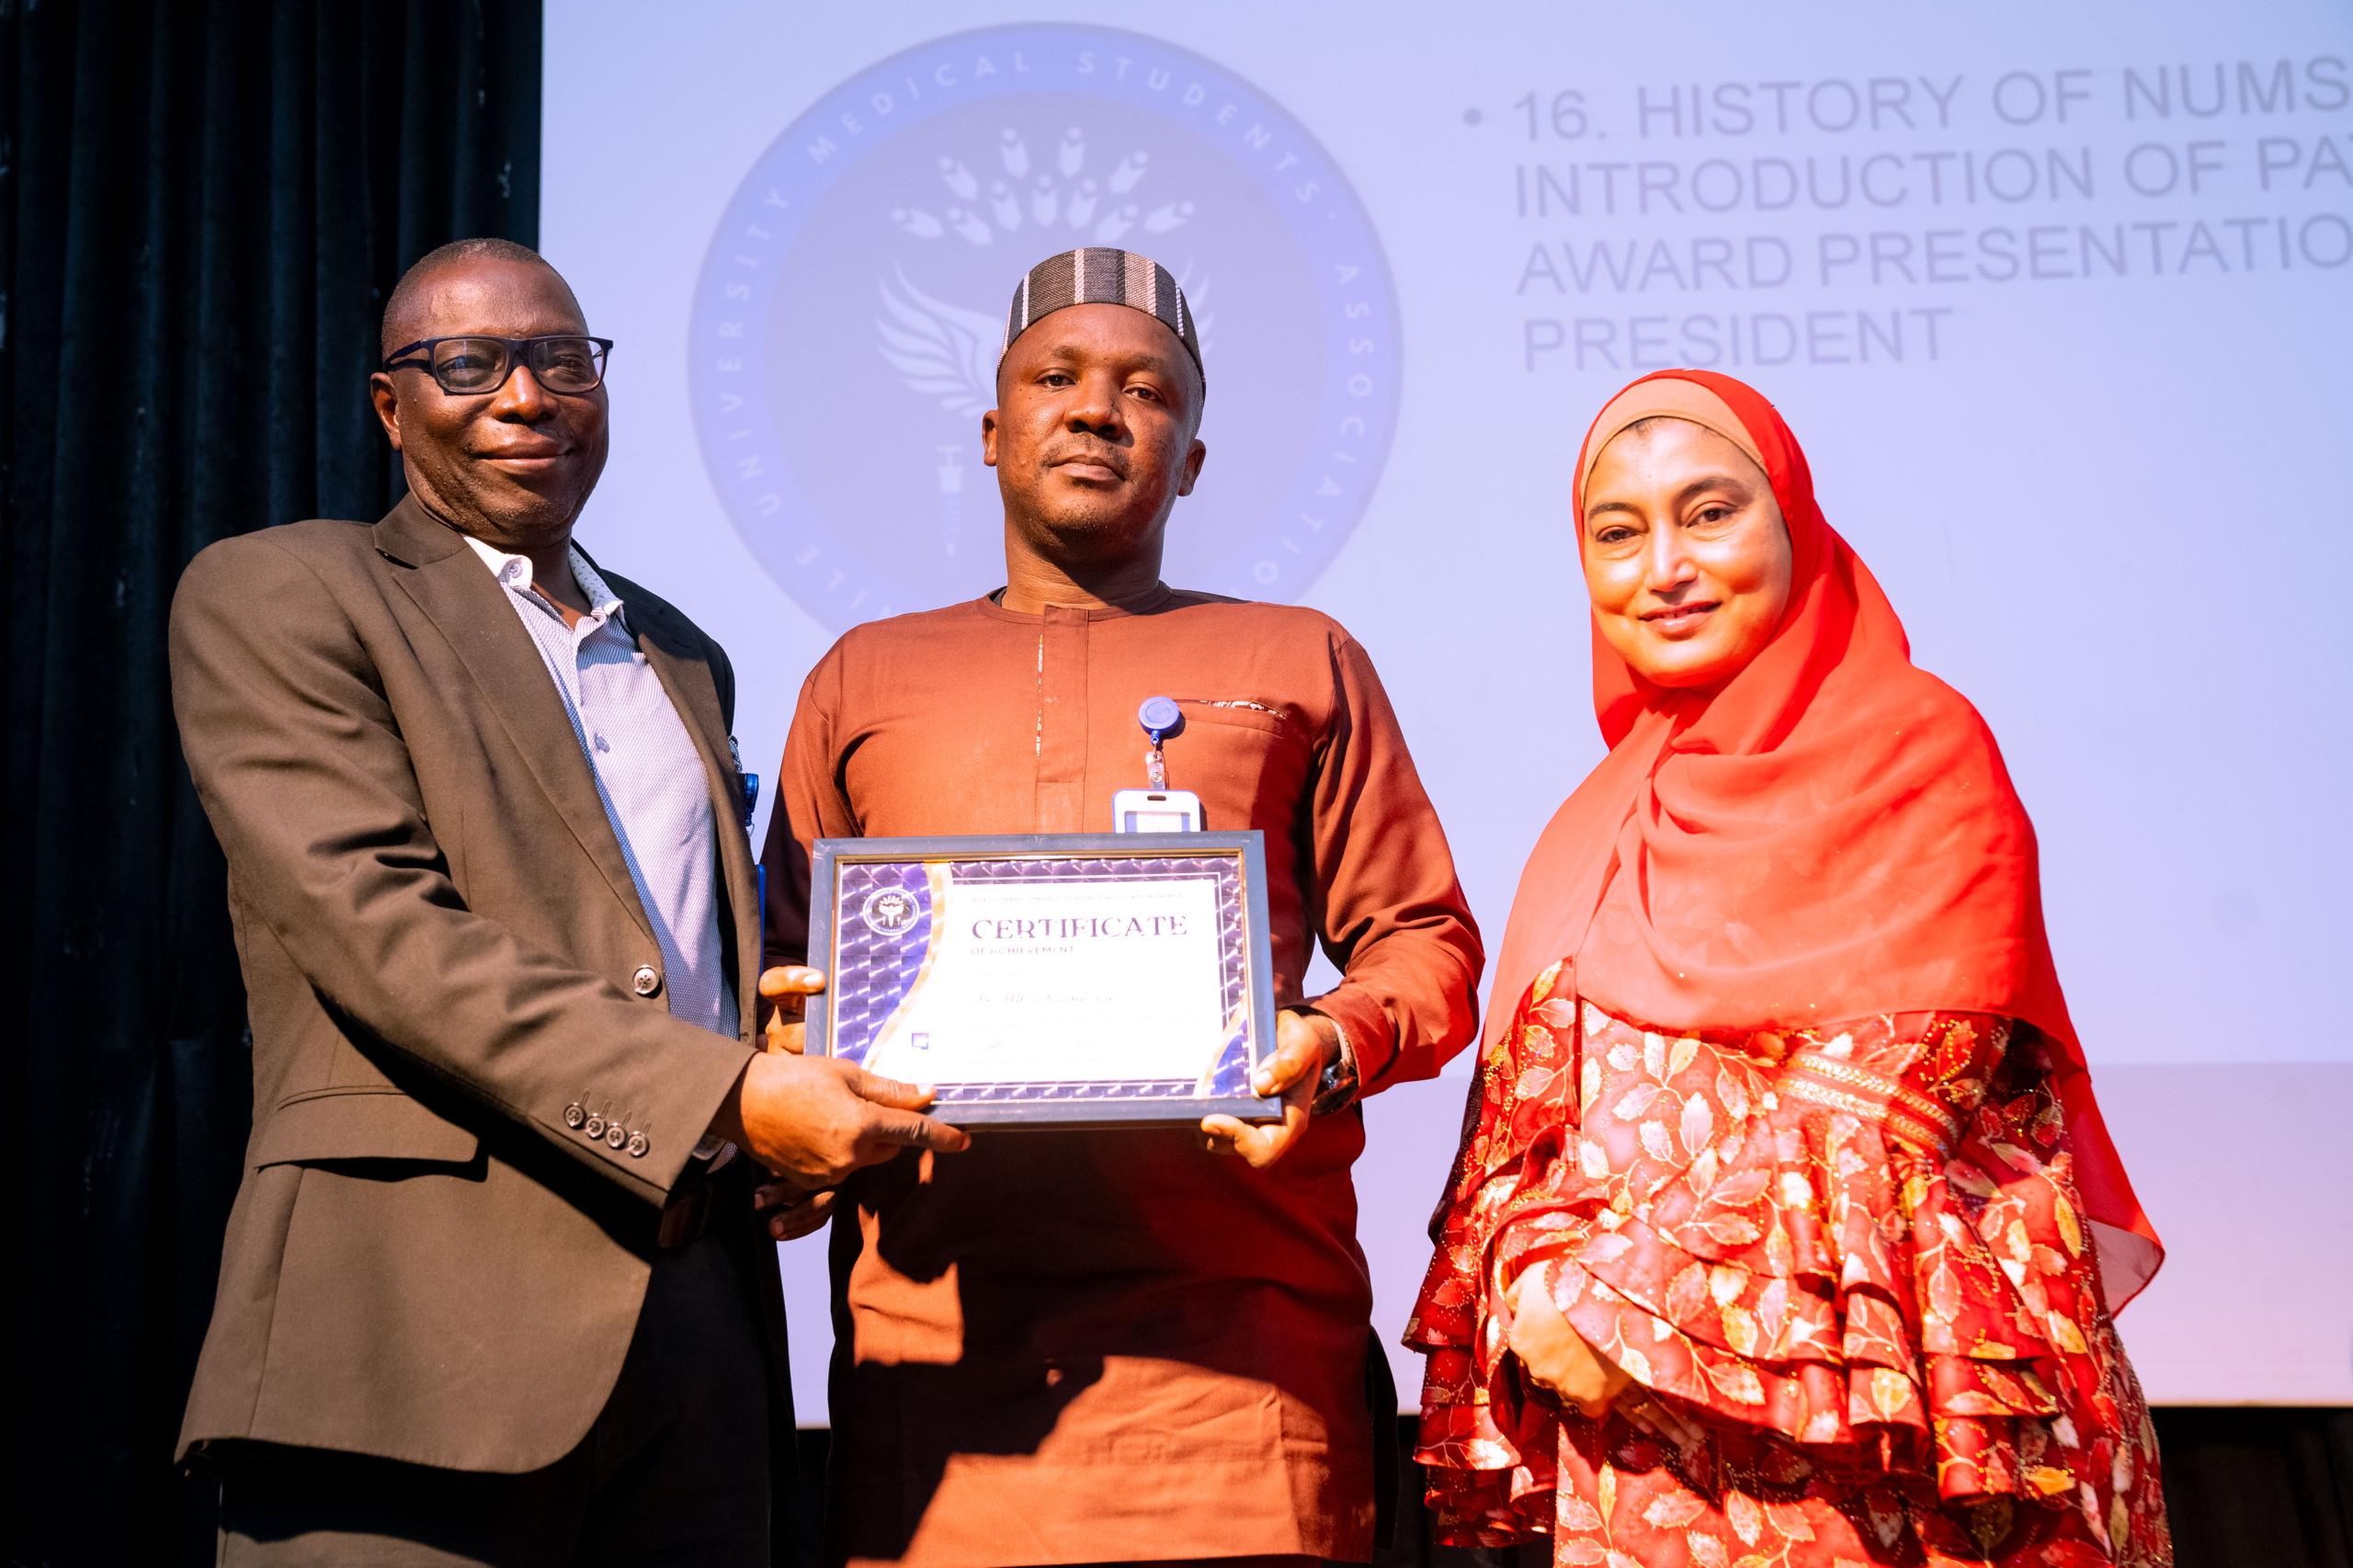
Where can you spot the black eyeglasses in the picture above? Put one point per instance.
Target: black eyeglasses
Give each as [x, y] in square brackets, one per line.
[474, 364]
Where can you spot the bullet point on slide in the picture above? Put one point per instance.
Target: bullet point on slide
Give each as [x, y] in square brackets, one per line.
[1472, 117]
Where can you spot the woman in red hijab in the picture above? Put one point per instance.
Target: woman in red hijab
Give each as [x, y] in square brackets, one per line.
[1786, 1229]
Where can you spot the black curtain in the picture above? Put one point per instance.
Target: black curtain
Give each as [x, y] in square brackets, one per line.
[202, 207]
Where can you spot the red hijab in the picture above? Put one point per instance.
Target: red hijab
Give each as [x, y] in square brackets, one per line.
[1827, 834]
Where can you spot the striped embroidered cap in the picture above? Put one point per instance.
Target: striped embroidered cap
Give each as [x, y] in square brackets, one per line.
[1102, 275]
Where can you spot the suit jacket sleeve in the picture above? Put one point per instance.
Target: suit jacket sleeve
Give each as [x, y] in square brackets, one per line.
[302, 766]
[1390, 911]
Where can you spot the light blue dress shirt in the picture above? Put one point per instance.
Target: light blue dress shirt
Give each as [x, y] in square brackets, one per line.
[648, 774]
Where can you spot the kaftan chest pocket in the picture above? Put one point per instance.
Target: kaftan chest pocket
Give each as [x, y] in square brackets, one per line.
[1246, 712]
[1245, 757]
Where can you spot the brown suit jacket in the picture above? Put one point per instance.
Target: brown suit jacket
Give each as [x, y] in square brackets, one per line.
[439, 938]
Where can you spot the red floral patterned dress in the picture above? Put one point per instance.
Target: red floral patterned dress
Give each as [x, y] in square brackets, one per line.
[1852, 1255]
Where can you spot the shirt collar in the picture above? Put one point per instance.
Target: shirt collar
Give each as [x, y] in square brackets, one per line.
[1144, 601]
[514, 573]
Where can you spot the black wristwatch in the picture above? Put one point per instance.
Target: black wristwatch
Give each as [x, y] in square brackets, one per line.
[1336, 1089]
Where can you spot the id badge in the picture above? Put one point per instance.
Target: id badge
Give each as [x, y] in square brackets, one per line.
[1155, 811]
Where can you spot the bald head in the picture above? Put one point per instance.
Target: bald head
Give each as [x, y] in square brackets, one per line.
[509, 464]
[407, 306]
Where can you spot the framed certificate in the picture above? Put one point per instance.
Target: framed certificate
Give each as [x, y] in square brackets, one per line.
[1050, 980]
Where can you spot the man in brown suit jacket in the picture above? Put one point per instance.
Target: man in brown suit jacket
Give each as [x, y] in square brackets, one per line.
[491, 1291]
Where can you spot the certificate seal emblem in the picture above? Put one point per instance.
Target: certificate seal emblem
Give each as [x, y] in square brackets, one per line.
[851, 306]
[888, 911]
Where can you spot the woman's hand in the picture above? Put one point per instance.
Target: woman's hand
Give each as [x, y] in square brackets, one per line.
[1556, 1355]
[1564, 1364]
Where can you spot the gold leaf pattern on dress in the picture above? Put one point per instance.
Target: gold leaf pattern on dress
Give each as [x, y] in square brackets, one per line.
[1731, 1094]
[2049, 1480]
[1790, 1277]
[1634, 1101]
[1576, 1513]
[1606, 1246]
[1687, 1297]
[1698, 1124]
[1972, 1181]
[1544, 983]
[2070, 1230]
[1685, 1051]
[1655, 1140]
[1747, 1520]
[1990, 1522]
[1738, 1383]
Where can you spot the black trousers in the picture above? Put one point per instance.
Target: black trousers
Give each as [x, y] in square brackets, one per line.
[674, 1470]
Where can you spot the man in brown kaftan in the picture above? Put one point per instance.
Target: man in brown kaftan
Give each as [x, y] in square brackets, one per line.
[1068, 1347]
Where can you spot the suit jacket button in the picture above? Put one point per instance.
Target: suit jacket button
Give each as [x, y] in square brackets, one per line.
[638, 1145]
[646, 981]
[594, 1127]
[574, 1117]
[614, 1136]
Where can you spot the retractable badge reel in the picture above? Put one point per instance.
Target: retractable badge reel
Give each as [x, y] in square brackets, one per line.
[1156, 808]
[750, 786]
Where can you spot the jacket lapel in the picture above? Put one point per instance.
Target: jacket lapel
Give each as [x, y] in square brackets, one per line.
[686, 675]
[464, 602]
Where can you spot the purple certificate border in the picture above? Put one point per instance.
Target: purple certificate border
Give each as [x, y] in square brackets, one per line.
[871, 918]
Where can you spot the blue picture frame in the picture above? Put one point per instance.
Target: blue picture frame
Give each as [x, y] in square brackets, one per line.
[871, 930]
